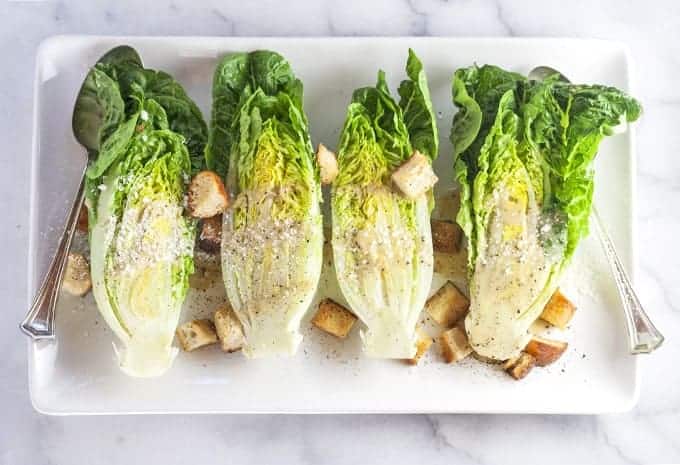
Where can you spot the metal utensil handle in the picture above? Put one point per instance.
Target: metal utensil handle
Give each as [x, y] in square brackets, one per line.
[642, 334]
[39, 322]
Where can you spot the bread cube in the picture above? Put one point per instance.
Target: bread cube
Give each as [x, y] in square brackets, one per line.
[445, 236]
[206, 195]
[544, 350]
[328, 164]
[334, 319]
[558, 311]
[195, 334]
[422, 346]
[448, 305]
[520, 366]
[229, 329]
[455, 344]
[415, 176]
[210, 236]
[76, 280]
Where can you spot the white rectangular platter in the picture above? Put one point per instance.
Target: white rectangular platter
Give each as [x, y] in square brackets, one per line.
[77, 373]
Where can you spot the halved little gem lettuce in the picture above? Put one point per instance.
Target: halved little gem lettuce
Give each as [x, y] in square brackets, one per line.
[144, 134]
[272, 233]
[523, 154]
[382, 243]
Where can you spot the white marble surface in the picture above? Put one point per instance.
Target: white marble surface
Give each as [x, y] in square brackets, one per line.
[648, 434]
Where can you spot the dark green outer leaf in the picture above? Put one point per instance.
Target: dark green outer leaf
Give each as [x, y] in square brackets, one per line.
[566, 131]
[236, 78]
[114, 91]
[380, 134]
[561, 126]
[183, 114]
[229, 86]
[468, 119]
[99, 107]
[416, 106]
[112, 147]
[120, 56]
[485, 86]
[143, 100]
[98, 111]
[116, 147]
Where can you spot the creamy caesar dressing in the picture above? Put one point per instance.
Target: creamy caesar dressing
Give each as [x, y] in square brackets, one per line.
[382, 244]
[384, 268]
[150, 235]
[271, 268]
[151, 239]
[511, 271]
[131, 261]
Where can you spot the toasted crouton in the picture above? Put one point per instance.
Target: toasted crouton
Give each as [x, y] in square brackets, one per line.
[545, 351]
[448, 305]
[77, 279]
[559, 310]
[82, 224]
[454, 344]
[229, 329]
[206, 195]
[334, 319]
[520, 366]
[328, 164]
[445, 236]
[195, 334]
[210, 237]
[422, 346]
[415, 177]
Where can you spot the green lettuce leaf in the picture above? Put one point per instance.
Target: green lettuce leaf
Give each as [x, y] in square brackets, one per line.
[416, 105]
[120, 88]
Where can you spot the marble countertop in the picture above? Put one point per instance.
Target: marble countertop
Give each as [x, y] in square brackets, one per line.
[648, 434]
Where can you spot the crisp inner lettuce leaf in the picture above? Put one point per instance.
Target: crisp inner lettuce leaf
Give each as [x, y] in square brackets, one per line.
[523, 153]
[272, 235]
[141, 243]
[382, 242]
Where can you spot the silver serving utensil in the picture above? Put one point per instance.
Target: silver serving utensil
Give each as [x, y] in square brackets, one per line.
[88, 116]
[643, 336]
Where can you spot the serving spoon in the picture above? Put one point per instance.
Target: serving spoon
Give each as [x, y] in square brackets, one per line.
[643, 336]
[88, 118]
